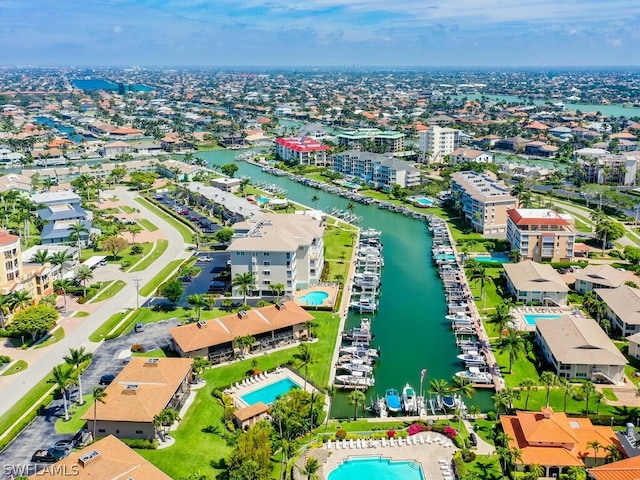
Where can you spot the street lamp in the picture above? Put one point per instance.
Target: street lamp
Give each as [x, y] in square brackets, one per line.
[137, 281]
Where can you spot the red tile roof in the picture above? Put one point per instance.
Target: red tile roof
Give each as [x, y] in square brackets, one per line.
[7, 239]
[517, 218]
[303, 144]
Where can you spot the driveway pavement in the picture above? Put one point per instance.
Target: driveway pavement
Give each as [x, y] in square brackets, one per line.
[41, 432]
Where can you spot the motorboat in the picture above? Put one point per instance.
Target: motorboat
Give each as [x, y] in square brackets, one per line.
[360, 351]
[475, 375]
[464, 330]
[449, 401]
[369, 250]
[361, 334]
[366, 280]
[392, 399]
[370, 233]
[472, 358]
[409, 402]
[365, 304]
[356, 379]
[459, 318]
[356, 366]
[348, 358]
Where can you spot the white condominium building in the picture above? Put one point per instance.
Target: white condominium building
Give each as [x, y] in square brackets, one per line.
[437, 142]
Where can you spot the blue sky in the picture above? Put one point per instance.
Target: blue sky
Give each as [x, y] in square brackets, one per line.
[516, 33]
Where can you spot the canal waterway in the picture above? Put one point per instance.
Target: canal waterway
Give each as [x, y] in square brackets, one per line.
[409, 326]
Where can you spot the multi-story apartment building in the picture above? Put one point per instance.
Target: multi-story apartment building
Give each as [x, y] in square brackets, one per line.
[541, 235]
[610, 169]
[302, 150]
[62, 210]
[387, 141]
[377, 170]
[286, 249]
[37, 280]
[438, 142]
[484, 202]
[462, 155]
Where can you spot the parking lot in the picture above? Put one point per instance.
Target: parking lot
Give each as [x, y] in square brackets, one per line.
[200, 221]
[107, 359]
[212, 265]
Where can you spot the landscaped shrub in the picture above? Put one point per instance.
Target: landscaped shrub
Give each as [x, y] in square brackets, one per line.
[5, 359]
[137, 348]
[341, 434]
[491, 416]
[141, 443]
[450, 432]
[391, 433]
[136, 250]
[467, 455]
[417, 428]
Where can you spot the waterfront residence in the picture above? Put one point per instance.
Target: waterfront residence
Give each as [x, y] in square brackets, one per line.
[535, 283]
[599, 276]
[67, 174]
[302, 151]
[484, 202]
[234, 209]
[377, 170]
[271, 326]
[106, 459]
[625, 469]
[605, 168]
[540, 234]
[143, 388]
[462, 155]
[118, 147]
[173, 141]
[540, 149]
[438, 142]
[577, 348]
[15, 276]
[555, 441]
[61, 211]
[623, 308]
[226, 184]
[363, 138]
[279, 248]
[180, 171]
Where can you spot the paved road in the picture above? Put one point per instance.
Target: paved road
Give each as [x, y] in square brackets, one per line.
[43, 360]
[41, 432]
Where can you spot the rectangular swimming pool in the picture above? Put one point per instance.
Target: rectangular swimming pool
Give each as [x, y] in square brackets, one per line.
[269, 393]
[530, 318]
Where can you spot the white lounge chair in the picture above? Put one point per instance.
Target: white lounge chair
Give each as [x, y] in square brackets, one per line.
[442, 461]
[429, 439]
[384, 443]
[400, 442]
[266, 374]
[392, 442]
[338, 445]
[421, 439]
[344, 443]
[358, 443]
[351, 444]
[409, 441]
[329, 444]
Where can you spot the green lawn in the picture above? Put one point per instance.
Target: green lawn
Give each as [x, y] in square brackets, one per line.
[75, 422]
[160, 278]
[110, 291]
[17, 367]
[486, 467]
[185, 231]
[537, 400]
[81, 313]
[491, 297]
[484, 429]
[147, 315]
[147, 225]
[157, 353]
[339, 244]
[123, 258]
[56, 336]
[609, 394]
[161, 247]
[107, 326]
[127, 209]
[523, 367]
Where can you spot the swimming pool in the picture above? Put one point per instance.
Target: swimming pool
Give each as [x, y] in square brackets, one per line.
[378, 468]
[492, 258]
[530, 318]
[444, 256]
[263, 200]
[314, 299]
[424, 202]
[269, 393]
[351, 185]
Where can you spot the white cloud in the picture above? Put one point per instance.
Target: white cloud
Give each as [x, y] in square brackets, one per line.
[117, 29]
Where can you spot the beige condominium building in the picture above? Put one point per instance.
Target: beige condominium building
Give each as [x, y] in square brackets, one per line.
[438, 142]
[286, 249]
[484, 202]
[540, 234]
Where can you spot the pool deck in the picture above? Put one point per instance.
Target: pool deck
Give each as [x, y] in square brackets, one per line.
[522, 325]
[436, 451]
[328, 303]
[259, 381]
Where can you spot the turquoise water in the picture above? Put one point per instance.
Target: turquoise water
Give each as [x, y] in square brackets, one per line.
[270, 393]
[424, 201]
[492, 258]
[376, 468]
[412, 304]
[263, 200]
[351, 185]
[69, 131]
[314, 298]
[530, 318]
[445, 256]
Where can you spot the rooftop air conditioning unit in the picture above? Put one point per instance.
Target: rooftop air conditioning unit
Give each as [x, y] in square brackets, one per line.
[201, 324]
[89, 457]
[242, 313]
[280, 306]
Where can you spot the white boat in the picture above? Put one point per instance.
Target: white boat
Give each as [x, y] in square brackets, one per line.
[360, 351]
[356, 379]
[366, 280]
[409, 402]
[370, 233]
[361, 334]
[356, 365]
[392, 399]
[474, 375]
[371, 259]
[365, 304]
[472, 358]
[369, 250]
[459, 318]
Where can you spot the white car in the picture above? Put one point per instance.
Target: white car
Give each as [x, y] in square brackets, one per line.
[204, 259]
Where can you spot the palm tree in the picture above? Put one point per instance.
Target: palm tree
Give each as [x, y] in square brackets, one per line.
[63, 378]
[60, 258]
[330, 392]
[516, 456]
[613, 454]
[315, 200]
[462, 387]
[548, 379]
[63, 286]
[245, 343]
[98, 397]
[536, 471]
[41, 257]
[278, 289]
[77, 229]
[480, 274]
[198, 366]
[49, 300]
[502, 316]
[304, 358]
[84, 274]
[515, 256]
[513, 345]
[527, 385]
[310, 468]
[356, 398]
[576, 473]
[6, 303]
[596, 446]
[244, 282]
[133, 231]
[76, 357]
[20, 299]
[509, 395]
[588, 389]
[567, 391]
[198, 302]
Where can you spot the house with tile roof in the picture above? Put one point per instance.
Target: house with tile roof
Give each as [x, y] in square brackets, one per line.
[626, 469]
[462, 155]
[302, 150]
[535, 283]
[576, 347]
[143, 388]
[555, 441]
[599, 276]
[106, 459]
[270, 326]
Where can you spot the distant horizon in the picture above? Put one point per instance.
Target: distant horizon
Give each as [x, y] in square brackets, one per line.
[444, 33]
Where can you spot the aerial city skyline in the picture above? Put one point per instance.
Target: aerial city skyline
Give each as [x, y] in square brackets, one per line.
[516, 33]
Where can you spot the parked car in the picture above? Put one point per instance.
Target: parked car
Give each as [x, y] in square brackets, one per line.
[139, 327]
[65, 445]
[204, 259]
[50, 455]
[107, 379]
[473, 440]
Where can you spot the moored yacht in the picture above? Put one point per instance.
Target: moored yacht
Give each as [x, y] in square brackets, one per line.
[459, 318]
[393, 400]
[409, 402]
[472, 358]
[475, 375]
[357, 380]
